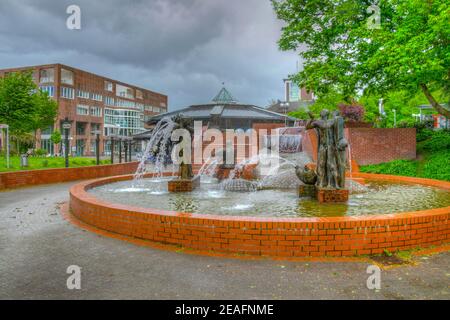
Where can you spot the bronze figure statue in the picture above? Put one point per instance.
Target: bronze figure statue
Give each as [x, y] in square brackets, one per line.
[185, 169]
[331, 159]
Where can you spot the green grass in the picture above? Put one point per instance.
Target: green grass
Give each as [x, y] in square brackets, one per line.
[433, 160]
[36, 163]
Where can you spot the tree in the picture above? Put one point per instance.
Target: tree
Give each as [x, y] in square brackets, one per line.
[16, 101]
[45, 111]
[56, 137]
[23, 106]
[340, 49]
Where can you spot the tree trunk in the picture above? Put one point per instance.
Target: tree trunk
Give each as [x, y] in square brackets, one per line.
[433, 102]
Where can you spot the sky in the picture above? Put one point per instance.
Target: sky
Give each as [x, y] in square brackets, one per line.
[185, 49]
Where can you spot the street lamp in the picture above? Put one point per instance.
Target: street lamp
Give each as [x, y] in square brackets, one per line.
[112, 148]
[97, 145]
[120, 149]
[6, 127]
[66, 126]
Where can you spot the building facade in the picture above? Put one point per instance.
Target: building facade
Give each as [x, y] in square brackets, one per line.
[294, 98]
[94, 104]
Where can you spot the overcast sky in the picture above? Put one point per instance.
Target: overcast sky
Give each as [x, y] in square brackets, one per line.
[182, 48]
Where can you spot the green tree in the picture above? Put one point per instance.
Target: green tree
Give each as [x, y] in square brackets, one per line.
[410, 50]
[16, 101]
[56, 137]
[23, 106]
[45, 111]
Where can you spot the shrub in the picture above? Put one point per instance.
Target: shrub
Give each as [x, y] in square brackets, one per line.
[438, 141]
[40, 152]
[438, 166]
[396, 167]
[353, 112]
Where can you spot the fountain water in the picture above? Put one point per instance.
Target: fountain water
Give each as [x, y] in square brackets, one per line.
[156, 150]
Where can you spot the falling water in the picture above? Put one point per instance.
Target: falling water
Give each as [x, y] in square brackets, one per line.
[158, 147]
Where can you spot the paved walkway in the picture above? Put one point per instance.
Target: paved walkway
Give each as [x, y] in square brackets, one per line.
[37, 245]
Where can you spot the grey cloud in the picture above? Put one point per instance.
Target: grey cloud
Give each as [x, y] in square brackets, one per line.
[183, 48]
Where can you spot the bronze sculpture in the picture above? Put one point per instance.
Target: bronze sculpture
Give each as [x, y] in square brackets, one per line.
[332, 145]
[185, 169]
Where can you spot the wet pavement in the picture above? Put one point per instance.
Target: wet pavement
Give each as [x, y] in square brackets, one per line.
[37, 246]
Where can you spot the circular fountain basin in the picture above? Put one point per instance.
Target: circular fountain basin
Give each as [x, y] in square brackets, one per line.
[396, 213]
[241, 198]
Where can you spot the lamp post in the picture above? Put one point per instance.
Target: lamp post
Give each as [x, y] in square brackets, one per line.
[129, 150]
[120, 150]
[66, 126]
[112, 149]
[5, 126]
[97, 145]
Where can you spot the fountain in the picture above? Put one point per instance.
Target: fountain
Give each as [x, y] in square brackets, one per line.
[326, 180]
[256, 209]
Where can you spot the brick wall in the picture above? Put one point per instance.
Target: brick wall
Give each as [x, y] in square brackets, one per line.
[17, 179]
[372, 145]
[375, 145]
[334, 236]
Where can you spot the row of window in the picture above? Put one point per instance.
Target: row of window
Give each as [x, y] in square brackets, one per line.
[83, 110]
[68, 93]
[110, 101]
[67, 77]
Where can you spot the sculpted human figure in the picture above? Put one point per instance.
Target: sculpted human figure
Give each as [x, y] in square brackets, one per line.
[341, 146]
[185, 169]
[331, 158]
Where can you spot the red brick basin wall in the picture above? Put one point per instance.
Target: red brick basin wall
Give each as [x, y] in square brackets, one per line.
[285, 237]
[16, 179]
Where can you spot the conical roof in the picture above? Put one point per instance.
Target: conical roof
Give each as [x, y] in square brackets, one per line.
[224, 96]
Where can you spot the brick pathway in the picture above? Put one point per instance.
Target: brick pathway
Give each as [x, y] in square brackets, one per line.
[37, 245]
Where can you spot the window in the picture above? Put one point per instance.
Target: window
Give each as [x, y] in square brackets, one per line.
[95, 127]
[122, 91]
[125, 103]
[82, 110]
[140, 106]
[96, 97]
[47, 75]
[49, 89]
[139, 94]
[156, 109]
[83, 94]
[66, 76]
[109, 101]
[108, 86]
[127, 122]
[67, 93]
[96, 111]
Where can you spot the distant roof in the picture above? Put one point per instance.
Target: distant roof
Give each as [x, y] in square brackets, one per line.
[428, 106]
[224, 96]
[234, 110]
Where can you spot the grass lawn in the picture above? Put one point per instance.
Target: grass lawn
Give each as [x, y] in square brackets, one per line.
[35, 163]
[433, 160]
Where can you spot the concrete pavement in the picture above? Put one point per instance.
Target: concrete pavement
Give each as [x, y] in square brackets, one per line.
[37, 245]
